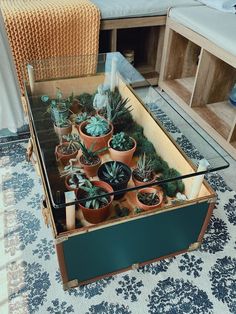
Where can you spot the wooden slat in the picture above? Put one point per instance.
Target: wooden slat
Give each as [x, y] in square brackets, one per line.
[179, 88]
[133, 22]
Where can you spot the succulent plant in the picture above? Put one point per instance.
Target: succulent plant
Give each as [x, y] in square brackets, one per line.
[88, 153]
[61, 121]
[71, 168]
[122, 142]
[114, 173]
[97, 126]
[148, 198]
[86, 101]
[81, 117]
[144, 170]
[76, 180]
[94, 191]
[116, 110]
[57, 103]
[73, 140]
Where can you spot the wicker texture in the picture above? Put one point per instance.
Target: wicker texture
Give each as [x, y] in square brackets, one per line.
[42, 29]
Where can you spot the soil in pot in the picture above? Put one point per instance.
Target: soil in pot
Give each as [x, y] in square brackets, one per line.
[95, 216]
[64, 154]
[100, 141]
[121, 155]
[149, 198]
[90, 168]
[116, 186]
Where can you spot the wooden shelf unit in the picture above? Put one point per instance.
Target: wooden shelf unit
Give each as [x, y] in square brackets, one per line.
[143, 35]
[199, 76]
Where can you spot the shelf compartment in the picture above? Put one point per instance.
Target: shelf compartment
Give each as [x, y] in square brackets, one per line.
[219, 116]
[181, 63]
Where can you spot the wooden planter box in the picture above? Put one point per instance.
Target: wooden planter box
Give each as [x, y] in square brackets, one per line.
[95, 251]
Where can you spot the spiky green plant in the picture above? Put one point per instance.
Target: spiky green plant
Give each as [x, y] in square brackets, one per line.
[114, 172]
[76, 180]
[144, 170]
[97, 126]
[89, 154]
[71, 168]
[117, 110]
[122, 142]
[94, 191]
[148, 198]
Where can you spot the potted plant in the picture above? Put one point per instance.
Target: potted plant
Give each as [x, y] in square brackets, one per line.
[59, 107]
[90, 160]
[122, 147]
[74, 177]
[97, 209]
[81, 117]
[143, 173]
[149, 198]
[96, 130]
[116, 174]
[68, 149]
[62, 126]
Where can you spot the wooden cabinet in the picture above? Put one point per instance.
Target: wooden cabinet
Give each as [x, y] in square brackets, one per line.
[199, 76]
[145, 36]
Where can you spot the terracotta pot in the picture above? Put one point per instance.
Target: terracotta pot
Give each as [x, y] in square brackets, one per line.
[140, 183]
[63, 158]
[90, 170]
[122, 156]
[101, 141]
[63, 131]
[95, 216]
[116, 186]
[156, 190]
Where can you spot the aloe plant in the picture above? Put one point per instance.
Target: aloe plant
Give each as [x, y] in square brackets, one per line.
[71, 168]
[97, 126]
[117, 109]
[94, 191]
[148, 198]
[144, 170]
[88, 153]
[76, 180]
[122, 142]
[114, 173]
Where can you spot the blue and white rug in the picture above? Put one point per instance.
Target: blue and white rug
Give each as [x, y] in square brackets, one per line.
[203, 281]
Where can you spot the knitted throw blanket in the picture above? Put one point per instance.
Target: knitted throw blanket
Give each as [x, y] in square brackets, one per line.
[41, 29]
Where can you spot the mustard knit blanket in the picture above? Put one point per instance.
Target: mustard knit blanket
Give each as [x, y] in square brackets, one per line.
[41, 29]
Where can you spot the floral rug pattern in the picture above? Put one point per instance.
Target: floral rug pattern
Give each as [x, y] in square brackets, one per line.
[203, 281]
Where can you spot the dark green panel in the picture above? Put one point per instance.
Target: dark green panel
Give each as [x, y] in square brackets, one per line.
[113, 248]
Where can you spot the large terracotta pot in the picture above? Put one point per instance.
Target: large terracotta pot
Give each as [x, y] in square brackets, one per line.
[101, 141]
[122, 156]
[63, 158]
[141, 183]
[156, 190]
[90, 170]
[95, 216]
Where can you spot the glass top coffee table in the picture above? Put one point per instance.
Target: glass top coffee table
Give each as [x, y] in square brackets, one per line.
[68, 91]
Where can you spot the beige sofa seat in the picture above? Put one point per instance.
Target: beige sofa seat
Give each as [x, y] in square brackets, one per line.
[218, 27]
[138, 8]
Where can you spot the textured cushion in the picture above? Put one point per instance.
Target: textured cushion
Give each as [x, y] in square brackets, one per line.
[219, 27]
[137, 8]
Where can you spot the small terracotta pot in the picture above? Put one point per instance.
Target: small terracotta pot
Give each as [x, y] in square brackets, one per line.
[140, 183]
[90, 170]
[64, 159]
[100, 141]
[156, 190]
[122, 156]
[95, 216]
[63, 131]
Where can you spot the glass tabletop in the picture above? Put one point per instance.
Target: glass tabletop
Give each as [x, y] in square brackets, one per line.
[74, 102]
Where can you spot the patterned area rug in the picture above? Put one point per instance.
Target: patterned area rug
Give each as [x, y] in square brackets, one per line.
[203, 281]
